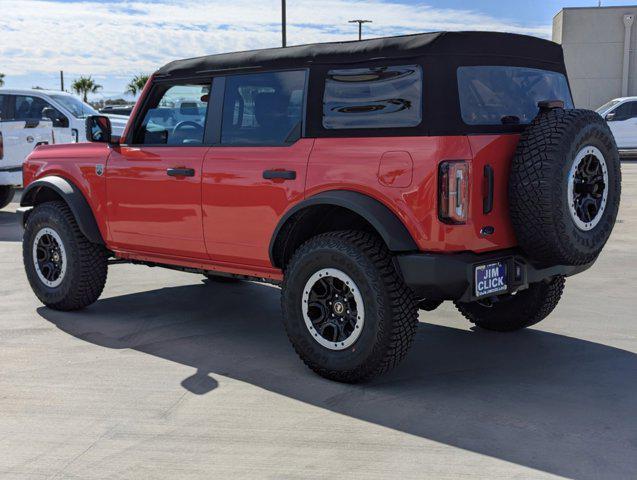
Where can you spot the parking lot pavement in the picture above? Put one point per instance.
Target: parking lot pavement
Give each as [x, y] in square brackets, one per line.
[169, 376]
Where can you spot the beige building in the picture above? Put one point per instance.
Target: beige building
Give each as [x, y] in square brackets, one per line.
[600, 48]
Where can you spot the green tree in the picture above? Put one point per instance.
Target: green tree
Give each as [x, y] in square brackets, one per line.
[136, 85]
[85, 85]
[1, 79]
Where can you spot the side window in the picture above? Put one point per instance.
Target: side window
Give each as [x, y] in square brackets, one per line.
[263, 108]
[176, 115]
[504, 95]
[378, 97]
[34, 108]
[625, 111]
[4, 107]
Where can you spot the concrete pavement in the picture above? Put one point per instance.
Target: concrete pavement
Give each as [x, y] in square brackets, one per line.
[171, 376]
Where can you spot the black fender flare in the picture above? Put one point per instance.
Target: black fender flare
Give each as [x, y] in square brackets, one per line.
[385, 222]
[74, 199]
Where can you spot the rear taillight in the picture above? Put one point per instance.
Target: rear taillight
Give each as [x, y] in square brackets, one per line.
[453, 191]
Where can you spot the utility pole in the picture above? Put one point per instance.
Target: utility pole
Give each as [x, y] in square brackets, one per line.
[283, 24]
[360, 26]
[61, 80]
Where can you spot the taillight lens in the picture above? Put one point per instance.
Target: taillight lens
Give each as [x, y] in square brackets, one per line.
[453, 191]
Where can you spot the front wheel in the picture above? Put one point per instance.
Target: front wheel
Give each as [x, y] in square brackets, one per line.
[65, 270]
[346, 310]
[513, 312]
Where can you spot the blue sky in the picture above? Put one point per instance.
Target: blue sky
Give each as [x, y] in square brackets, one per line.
[113, 40]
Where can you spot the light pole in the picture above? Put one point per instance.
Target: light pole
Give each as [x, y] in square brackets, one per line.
[283, 26]
[360, 26]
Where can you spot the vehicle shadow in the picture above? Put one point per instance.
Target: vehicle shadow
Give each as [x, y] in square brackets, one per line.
[10, 230]
[549, 402]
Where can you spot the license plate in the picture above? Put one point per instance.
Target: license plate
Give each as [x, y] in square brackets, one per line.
[490, 279]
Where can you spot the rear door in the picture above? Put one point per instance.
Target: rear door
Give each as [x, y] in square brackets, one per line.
[154, 183]
[624, 124]
[257, 167]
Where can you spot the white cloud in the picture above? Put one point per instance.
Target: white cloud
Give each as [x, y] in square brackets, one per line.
[126, 37]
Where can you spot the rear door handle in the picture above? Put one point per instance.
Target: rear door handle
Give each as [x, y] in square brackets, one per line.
[282, 174]
[180, 172]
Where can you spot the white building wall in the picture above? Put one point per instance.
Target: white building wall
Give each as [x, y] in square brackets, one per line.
[593, 42]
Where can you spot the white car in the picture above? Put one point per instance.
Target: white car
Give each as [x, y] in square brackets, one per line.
[17, 140]
[621, 115]
[67, 112]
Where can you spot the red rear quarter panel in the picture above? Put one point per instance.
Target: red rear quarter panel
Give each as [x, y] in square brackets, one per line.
[355, 164]
[76, 163]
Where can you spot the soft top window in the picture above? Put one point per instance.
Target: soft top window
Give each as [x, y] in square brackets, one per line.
[499, 95]
[377, 97]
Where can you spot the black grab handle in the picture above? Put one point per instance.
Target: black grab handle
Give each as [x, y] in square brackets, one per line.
[282, 174]
[180, 172]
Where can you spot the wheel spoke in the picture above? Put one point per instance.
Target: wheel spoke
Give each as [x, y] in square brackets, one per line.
[331, 310]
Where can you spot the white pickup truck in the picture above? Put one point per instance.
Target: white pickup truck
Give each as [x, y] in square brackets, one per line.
[17, 140]
[67, 112]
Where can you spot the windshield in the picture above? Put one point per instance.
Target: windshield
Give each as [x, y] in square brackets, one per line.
[607, 106]
[77, 107]
[498, 95]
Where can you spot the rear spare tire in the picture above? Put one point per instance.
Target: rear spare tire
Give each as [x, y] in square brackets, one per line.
[564, 187]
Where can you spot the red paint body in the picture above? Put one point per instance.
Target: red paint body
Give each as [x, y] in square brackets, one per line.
[224, 217]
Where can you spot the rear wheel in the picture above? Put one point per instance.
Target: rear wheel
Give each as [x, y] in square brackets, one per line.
[512, 312]
[65, 270]
[346, 310]
[6, 195]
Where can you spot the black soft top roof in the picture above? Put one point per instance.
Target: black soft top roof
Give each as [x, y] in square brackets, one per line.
[474, 44]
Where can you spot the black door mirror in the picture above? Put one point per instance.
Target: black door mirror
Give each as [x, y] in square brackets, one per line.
[98, 129]
[610, 117]
[56, 117]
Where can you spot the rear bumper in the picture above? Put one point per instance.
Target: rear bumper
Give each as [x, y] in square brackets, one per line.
[451, 276]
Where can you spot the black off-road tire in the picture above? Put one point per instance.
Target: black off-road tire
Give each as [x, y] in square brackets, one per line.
[391, 314]
[6, 195]
[538, 187]
[87, 265]
[514, 312]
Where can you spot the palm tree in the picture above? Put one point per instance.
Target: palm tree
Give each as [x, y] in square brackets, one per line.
[85, 85]
[136, 85]
[1, 79]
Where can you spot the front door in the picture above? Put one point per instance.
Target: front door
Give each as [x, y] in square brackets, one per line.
[154, 183]
[32, 108]
[257, 169]
[624, 125]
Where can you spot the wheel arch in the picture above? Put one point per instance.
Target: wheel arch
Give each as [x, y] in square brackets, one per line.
[52, 188]
[307, 218]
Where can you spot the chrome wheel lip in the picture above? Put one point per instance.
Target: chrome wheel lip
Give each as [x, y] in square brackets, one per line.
[360, 308]
[583, 153]
[62, 254]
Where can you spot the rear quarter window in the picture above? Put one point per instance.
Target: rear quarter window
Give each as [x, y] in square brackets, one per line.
[377, 97]
[499, 95]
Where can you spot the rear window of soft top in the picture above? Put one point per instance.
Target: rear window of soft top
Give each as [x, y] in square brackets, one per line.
[501, 95]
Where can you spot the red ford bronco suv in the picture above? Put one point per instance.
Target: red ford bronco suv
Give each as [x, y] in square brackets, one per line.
[368, 179]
